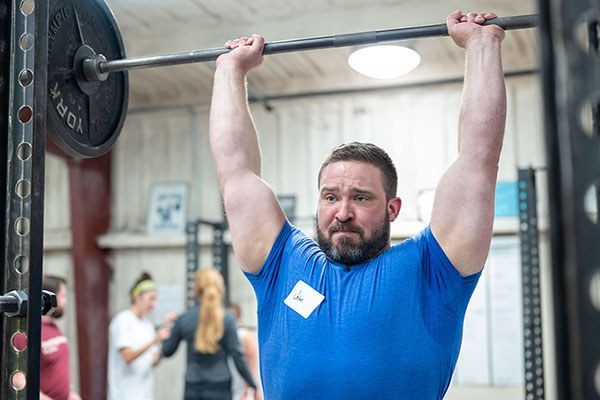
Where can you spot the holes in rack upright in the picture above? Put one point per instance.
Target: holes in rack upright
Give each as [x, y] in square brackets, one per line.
[26, 77]
[595, 290]
[27, 6]
[19, 341]
[25, 114]
[26, 41]
[587, 32]
[23, 188]
[597, 379]
[18, 380]
[22, 226]
[24, 151]
[589, 116]
[590, 202]
[21, 264]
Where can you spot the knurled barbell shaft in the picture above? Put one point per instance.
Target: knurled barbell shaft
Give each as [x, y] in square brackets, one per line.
[322, 42]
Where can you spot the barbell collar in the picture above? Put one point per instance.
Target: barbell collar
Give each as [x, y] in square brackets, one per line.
[100, 67]
[8, 303]
[49, 302]
[91, 69]
[14, 303]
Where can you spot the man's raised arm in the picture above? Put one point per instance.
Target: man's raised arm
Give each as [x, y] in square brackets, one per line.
[463, 211]
[254, 215]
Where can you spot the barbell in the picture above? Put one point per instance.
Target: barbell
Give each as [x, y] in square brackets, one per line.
[87, 69]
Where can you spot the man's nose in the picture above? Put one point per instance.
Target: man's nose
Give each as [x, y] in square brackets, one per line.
[344, 212]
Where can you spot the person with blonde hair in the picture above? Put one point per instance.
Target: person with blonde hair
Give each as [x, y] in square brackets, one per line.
[211, 336]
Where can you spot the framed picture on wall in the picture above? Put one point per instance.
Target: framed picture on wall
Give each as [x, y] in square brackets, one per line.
[167, 209]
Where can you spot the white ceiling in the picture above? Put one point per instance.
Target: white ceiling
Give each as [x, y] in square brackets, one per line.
[164, 26]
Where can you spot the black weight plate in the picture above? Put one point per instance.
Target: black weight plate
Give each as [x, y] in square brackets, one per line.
[84, 124]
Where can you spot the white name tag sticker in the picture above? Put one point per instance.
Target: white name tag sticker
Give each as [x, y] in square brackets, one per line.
[303, 299]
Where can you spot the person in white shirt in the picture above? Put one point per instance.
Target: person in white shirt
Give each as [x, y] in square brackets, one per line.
[133, 345]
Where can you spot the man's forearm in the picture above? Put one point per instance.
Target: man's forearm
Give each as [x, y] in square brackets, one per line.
[483, 108]
[233, 136]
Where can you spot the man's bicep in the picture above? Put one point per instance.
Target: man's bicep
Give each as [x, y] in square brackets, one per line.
[463, 214]
[255, 219]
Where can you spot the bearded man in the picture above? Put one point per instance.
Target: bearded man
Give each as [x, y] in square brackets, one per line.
[55, 372]
[352, 317]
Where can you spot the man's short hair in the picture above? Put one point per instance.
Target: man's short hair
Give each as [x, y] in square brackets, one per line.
[52, 283]
[370, 154]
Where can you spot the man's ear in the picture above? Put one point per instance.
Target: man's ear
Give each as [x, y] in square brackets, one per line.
[394, 206]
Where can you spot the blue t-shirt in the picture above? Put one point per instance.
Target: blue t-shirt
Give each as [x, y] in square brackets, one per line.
[389, 328]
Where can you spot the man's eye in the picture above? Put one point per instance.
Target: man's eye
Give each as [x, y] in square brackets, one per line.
[330, 198]
[360, 198]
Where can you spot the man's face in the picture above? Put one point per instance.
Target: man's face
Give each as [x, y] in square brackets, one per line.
[61, 301]
[353, 216]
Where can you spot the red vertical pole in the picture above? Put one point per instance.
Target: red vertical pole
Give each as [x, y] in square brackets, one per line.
[89, 182]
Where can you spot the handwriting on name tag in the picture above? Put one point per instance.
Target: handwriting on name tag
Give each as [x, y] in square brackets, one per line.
[303, 299]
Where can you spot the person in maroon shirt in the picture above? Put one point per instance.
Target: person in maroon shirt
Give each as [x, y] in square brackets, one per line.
[55, 381]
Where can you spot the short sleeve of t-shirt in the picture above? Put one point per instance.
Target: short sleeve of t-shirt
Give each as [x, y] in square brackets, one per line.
[443, 279]
[123, 332]
[289, 241]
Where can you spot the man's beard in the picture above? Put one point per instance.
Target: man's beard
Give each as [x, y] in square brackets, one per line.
[349, 251]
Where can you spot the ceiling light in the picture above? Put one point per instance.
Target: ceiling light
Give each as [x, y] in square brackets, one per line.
[384, 62]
